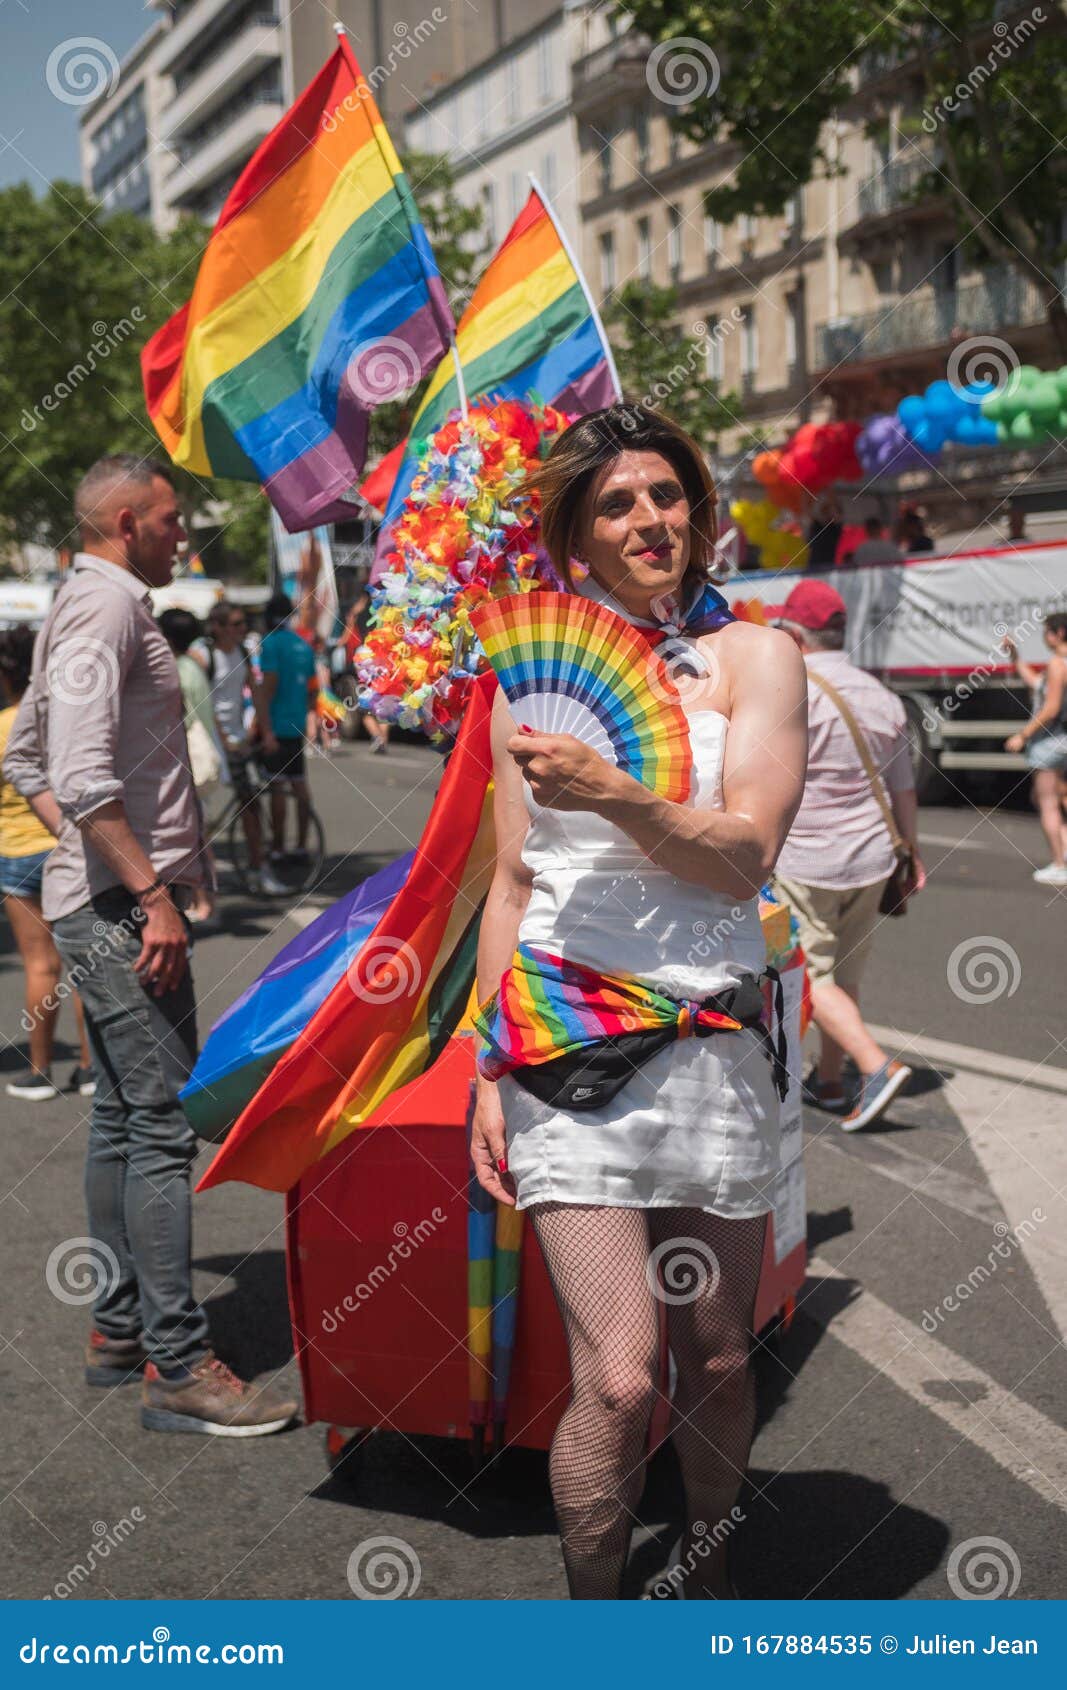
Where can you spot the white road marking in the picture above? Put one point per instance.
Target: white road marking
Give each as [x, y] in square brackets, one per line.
[1019, 1135]
[1017, 1436]
[1041, 1074]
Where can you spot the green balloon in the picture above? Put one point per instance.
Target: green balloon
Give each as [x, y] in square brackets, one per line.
[1060, 378]
[1045, 402]
[1023, 430]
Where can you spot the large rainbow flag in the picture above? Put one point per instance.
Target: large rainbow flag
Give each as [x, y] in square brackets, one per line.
[348, 1015]
[531, 327]
[317, 298]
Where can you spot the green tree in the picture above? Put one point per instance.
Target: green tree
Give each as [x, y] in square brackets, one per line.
[991, 82]
[453, 230]
[664, 364]
[81, 291]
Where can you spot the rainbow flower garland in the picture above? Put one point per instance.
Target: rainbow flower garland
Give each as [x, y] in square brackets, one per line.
[467, 532]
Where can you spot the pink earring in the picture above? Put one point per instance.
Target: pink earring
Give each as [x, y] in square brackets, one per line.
[579, 570]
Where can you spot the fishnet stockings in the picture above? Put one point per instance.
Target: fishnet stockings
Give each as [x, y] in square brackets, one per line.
[608, 1267]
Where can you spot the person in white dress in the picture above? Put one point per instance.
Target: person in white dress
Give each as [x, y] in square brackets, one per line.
[660, 1194]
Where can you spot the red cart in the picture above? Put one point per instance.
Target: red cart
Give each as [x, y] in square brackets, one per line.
[377, 1263]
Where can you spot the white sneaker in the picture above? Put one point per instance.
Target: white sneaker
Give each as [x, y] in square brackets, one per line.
[272, 886]
[1053, 874]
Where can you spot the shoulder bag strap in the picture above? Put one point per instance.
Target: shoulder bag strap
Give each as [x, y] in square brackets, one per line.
[877, 784]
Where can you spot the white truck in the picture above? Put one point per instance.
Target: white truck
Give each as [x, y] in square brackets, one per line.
[932, 628]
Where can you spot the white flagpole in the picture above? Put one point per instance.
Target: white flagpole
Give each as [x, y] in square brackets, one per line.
[590, 301]
[460, 383]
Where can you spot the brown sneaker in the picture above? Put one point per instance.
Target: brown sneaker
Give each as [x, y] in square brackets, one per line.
[213, 1400]
[112, 1361]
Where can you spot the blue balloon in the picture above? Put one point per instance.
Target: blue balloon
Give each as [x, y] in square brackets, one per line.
[912, 411]
[928, 435]
[943, 403]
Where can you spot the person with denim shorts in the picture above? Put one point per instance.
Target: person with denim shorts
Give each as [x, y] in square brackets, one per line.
[99, 744]
[25, 846]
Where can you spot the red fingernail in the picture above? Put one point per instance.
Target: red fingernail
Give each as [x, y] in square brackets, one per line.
[502, 1164]
[524, 729]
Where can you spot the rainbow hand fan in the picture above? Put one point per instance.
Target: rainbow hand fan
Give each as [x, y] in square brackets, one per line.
[567, 666]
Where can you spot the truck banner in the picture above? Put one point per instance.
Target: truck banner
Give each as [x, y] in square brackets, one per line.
[940, 615]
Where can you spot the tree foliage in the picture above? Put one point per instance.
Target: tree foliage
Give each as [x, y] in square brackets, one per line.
[664, 364]
[991, 86]
[81, 291]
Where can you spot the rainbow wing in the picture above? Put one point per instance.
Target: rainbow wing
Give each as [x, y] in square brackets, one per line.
[568, 666]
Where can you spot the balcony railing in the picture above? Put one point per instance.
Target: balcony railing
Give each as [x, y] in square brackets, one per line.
[892, 186]
[1000, 300]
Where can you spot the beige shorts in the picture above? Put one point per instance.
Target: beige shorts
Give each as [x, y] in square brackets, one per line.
[836, 927]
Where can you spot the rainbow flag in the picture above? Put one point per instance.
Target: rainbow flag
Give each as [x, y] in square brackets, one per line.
[531, 327]
[317, 298]
[382, 1016]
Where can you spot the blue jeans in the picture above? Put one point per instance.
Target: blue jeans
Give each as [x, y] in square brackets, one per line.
[141, 1147]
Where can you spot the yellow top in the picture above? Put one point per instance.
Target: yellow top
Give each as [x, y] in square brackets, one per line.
[21, 834]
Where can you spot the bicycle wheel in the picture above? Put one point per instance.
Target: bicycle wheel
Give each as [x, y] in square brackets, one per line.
[293, 871]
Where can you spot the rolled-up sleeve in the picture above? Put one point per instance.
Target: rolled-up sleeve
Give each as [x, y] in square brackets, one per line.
[24, 759]
[89, 653]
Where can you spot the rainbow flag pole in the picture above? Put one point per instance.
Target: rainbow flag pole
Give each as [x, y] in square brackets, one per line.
[609, 356]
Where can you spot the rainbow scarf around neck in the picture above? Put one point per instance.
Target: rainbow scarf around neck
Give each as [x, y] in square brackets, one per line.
[547, 1007]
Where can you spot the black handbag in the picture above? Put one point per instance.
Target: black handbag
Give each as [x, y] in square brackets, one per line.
[592, 1075]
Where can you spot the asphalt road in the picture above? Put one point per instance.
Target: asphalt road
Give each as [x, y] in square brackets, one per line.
[895, 1430]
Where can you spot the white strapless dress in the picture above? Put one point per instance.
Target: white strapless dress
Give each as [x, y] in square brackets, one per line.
[697, 1126]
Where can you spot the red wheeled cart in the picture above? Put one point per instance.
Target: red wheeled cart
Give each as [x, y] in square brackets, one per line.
[378, 1272]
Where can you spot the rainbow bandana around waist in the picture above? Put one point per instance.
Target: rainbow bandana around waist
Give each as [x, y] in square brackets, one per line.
[573, 1036]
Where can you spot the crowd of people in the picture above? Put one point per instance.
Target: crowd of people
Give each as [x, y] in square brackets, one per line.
[112, 722]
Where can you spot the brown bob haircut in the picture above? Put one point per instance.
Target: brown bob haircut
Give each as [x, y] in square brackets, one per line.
[569, 473]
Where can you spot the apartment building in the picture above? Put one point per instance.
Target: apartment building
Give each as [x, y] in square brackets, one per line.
[210, 78]
[508, 117]
[852, 298]
[120, 164]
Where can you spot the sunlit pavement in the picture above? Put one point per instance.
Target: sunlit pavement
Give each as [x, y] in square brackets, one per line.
[916, 1406]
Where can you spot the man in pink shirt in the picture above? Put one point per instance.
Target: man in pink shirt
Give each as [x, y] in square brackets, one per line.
[838, 856]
